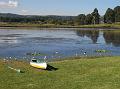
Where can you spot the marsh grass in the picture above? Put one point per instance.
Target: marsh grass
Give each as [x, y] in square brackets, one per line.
[29, 25]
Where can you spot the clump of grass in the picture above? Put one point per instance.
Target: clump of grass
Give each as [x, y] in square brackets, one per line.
[102, 51]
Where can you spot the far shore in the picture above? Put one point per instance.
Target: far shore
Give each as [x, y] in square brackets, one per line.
[33, 25]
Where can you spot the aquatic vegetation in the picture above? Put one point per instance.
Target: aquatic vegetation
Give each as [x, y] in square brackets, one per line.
[102, 51]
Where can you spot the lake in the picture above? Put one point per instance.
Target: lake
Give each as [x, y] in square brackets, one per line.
[58, 42]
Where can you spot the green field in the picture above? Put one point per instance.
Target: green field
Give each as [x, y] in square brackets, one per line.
[96, 73]
[13, 24]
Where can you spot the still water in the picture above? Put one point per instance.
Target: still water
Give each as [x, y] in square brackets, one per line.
[58, 43]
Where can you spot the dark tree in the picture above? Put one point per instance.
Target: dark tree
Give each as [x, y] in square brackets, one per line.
[95, 16]
[117, 13]
[80, 19]
[88, 19]
[109, 16]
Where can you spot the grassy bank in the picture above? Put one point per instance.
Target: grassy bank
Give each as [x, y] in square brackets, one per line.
[97, 73]
[117, 25]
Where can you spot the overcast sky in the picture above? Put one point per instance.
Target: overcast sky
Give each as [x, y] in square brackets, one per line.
[56, 7]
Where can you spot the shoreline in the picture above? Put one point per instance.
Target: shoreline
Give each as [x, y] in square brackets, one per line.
[30, 25]
[57, 60]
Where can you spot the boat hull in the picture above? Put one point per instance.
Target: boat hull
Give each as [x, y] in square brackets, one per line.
[39, 65]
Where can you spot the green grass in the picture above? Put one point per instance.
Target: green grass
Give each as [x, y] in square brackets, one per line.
[29, 25]
[96, 73]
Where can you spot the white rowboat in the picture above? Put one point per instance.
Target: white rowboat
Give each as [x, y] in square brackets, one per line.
[40, 65]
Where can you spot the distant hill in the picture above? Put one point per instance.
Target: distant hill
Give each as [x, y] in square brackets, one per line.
[9, 15]
[40, 19]
[31, 16]
[49, 19]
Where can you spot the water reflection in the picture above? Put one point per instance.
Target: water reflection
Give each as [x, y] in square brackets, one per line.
[10, 39]
[92, 34]
[110, 37]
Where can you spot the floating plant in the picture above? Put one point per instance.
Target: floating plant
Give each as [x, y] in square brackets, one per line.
[102, 51]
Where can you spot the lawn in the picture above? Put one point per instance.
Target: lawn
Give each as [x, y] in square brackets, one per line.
[84, 73]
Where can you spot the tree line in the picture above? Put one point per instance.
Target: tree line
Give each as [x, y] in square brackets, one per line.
[111, 16]
[50, 19]
[92, 18]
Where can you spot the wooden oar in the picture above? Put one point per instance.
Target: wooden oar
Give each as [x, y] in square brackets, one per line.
[17, 70]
